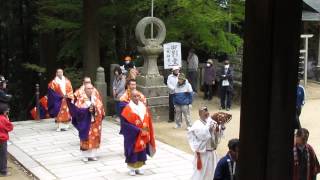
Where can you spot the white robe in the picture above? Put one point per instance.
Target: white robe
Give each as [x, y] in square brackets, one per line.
[140, 109]
[200, 139]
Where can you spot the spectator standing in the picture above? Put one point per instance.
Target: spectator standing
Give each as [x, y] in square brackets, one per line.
[299, 104]
[193, 63]
[209, 80]
[182, 101]
[127, 65]
[5, 127]
[118, 87]
[306, 165]
[172, 82]
[226, 86]
[4, 97]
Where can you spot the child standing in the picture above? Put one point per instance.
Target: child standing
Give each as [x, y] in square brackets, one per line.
[5, 128]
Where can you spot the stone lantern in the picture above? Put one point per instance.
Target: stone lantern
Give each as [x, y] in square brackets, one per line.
[150, 82]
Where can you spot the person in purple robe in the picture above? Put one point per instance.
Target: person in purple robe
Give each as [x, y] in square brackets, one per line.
[137, 130]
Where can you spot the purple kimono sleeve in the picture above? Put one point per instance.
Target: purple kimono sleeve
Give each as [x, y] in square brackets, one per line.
[81, 120]
[54, 103]
[120, 107]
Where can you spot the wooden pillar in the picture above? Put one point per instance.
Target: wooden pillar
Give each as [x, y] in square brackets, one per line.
[318, 65]
[91, 54]
[271, 51]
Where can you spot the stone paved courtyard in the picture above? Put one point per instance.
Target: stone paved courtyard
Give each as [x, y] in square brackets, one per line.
[55, 155]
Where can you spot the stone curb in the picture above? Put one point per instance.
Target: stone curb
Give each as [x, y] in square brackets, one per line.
[29, 164]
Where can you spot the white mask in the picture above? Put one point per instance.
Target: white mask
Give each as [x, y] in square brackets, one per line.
[126, 62]
[208, 64]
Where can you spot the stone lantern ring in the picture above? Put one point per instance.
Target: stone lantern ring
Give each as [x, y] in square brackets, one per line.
[141, 28]
[150, 48]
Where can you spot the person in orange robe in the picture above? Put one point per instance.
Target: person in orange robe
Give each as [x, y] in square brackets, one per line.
[137, 129]
[91, 141]
[43, 108]
[59, 89]
[80, 93]
[132, 85]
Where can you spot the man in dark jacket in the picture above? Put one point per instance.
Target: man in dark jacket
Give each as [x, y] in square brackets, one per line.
[226, 167]
[226, 85]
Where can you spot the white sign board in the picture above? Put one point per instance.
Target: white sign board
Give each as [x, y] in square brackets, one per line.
[172, 55]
